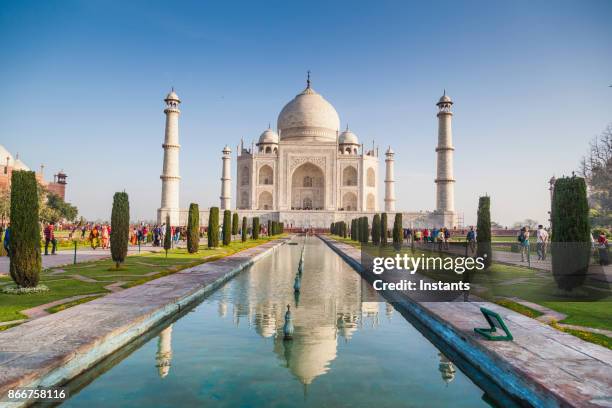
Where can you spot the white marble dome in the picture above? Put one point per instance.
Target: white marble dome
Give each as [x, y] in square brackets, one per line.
[348, 137]
[445, 99]
[268, 136]
[172, 96]
[308, 117]
[3, 155]
[19, 165]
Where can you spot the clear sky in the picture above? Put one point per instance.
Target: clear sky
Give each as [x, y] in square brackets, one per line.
[83, 85]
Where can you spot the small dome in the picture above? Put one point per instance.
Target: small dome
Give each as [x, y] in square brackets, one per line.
[172, 96]
[3, 155]
[348, 137]
[445, 98]
[19, 165]
[390, 150]
[268, 136]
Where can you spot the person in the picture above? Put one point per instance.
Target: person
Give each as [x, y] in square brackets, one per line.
[7, 240]
[446, 238]
[105, 237]
[471, 240]
[93, 237]
[83, 229]
[602, 248]
[523, 239]
[541, 242]
[440, 239]
[49, 233]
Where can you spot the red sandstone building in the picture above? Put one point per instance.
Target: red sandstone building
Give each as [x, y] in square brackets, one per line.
[8, 164]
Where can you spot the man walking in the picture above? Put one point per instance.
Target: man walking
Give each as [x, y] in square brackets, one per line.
[7, 240]
[471, 240]
[541, 242]
[50, 238]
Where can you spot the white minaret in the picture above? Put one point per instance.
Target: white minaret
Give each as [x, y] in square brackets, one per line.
[170, 176]
[389, 181]
[163, 357]
[445, 180]
[226, 179]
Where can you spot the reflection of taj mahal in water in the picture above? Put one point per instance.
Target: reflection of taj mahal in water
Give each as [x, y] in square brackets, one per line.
[330, 308]
[309, 172]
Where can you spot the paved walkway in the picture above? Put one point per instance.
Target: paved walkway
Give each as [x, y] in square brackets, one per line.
[543, 366]
[83, 255]
[53, 349]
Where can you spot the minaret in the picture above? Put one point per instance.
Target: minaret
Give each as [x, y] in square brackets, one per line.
[226, 179]
[389, 182]
[170, 176]
[163, 357]
[445, 181]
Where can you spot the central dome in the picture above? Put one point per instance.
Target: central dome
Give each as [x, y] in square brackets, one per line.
[308, 117]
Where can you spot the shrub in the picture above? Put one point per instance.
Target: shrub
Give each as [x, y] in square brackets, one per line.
[398, 231]
[120, 228]
[384, 233]
[571, 240]
[24, 241]
[483, 230]
[193, 228]
[256, 228]
[213, 227]
[235, 222]
[376, 229]
[364, 233]
[243, 233]
[227, 227]
[168, 236]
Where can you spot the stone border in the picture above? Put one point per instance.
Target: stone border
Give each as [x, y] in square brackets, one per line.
[54, 349]
[583, 379]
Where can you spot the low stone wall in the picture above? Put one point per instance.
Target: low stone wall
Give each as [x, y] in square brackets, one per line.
[51, 350]
[542, 367]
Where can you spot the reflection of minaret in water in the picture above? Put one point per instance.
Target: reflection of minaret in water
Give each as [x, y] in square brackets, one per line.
[388, 310]
[163, 357]
[446, 368]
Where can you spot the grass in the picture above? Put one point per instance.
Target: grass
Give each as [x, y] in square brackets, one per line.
[517, 307]
[65, 306]
[595, 338]
[136, 270]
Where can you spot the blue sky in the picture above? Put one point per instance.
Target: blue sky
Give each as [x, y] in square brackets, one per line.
[83, 83]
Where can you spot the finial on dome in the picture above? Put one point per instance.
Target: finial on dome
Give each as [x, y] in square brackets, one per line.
[308, 79]
[347, 128]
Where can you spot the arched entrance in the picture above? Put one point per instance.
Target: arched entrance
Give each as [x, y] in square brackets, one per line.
[308, 188]
[349, 202]
[265, 201]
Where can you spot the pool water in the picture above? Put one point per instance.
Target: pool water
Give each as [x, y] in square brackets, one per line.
[229, 351]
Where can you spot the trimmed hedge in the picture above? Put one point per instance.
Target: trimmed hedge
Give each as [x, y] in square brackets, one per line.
[376, 229]
[120, 228]
[571, 240]
[193, 228]
[384, 231]
[213, 227]
[256, 228]
[235, 224]
[243, 233]
[168, 235]
[398, 231]
[24, 244]
[483, 230]
[227, 227]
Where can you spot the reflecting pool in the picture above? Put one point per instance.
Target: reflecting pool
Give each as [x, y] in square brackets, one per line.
[229, 351]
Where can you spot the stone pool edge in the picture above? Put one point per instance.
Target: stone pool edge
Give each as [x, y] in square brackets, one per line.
[59, 370]
[494, 366]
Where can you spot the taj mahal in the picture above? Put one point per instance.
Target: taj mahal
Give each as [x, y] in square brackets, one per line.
[309, 172]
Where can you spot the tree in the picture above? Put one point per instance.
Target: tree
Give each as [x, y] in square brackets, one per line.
[353, 230]
[25, 259]
[243, 233]
[65, 210]
[596, 168]
[364, 233]
[235, 224]
[571, 240]
[168, 236]
[227, 227]
[376, 229]
[483, 230]
[344, 229]
[384, 233]
[256, 227]
[120, 228]
[213, 227]
[193, 228]
[398, 231]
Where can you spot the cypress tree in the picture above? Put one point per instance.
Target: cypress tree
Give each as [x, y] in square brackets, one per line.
[384, 233]
[376, 229]
[120, 228]
[357, 229]
[168, 236]
[483, 230]
[571, 240]
[352, 229]
[24, 247]
[398, 231]
[235, 222]
[213, 227]
[269, 227]
[227, 227]
[244, 229]
[255, 232]
[364, 233]
[193, 228]
[344, 229]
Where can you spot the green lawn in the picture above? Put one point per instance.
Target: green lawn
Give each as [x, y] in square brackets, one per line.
[137, 269]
